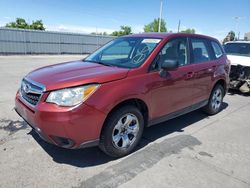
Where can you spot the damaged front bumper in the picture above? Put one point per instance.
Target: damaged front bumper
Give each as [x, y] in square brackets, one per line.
[240, 78]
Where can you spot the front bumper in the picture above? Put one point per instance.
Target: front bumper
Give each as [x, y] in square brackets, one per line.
[76, 127]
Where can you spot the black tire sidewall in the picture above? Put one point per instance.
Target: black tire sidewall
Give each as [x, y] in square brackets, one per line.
[210, 108]
[106, 138]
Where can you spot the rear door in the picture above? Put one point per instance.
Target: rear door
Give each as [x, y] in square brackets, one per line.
[204, 66]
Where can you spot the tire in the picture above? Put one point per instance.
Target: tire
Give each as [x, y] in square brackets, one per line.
[122, 131]
[215, 100]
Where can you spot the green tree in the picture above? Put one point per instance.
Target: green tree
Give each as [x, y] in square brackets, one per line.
[11, 25]
[125, 30]
[37, 25]
[153, 26]
[189, 30]
[22, 24]
[115, 33]
[19, 23]
[230, 37]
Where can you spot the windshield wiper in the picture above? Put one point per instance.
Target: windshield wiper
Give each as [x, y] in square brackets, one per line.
[98, 62]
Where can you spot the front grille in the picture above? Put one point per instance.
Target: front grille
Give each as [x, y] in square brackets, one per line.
[31, 92]
[31, 97]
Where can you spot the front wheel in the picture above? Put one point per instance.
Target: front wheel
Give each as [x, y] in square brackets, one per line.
[215, 101]
[122, 131]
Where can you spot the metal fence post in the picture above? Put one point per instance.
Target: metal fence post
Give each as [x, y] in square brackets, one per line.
[25, 42]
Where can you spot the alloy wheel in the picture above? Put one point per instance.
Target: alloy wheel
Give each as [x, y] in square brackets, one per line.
[217, 99]
[125, 131]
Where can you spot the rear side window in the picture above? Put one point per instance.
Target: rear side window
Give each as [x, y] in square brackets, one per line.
[217, 49]
[200, 50]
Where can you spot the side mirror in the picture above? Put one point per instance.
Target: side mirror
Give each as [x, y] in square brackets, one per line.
[169, 65]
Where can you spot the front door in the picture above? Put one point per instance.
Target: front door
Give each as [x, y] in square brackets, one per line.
[174, 91]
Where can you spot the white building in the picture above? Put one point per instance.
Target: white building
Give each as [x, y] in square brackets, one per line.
[247, 36]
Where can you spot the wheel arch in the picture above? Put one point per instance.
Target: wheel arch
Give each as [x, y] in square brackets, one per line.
[139, 103]
[221, 82]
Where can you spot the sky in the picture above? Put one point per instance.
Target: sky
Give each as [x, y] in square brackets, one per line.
[210, 17]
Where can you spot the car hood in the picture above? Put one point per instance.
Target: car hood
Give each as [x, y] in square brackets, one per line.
[75, 73]
[239, 60]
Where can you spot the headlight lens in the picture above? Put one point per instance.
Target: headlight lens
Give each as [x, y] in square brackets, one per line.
[71, 96]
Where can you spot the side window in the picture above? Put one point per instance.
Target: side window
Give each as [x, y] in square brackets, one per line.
[217, 50]
[200, 51]
[175, 49]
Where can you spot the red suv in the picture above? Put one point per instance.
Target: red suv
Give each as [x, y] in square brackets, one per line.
[130, 83]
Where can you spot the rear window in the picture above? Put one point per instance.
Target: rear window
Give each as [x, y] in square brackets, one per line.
[241, 49]
[217, 49]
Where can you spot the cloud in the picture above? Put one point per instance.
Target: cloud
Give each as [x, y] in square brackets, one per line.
[219, 34]
[7, 17]
[175, 30]
[137, 28]
[4, 20]
[89, 29]
[78, 29]
[2, 23]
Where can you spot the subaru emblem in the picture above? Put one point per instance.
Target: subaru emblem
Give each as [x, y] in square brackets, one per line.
[26, 88]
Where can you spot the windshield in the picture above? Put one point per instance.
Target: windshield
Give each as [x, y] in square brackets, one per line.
[242, 49]
[128, 52]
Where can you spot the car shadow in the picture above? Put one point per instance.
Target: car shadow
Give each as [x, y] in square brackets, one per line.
[237, 92]
[94, 156]
[80, 157]
[175, 125]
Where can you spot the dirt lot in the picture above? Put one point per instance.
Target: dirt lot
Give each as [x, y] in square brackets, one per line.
[190, 151]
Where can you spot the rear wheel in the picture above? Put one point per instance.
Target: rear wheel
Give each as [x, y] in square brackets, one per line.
[215, 101]
[122, 131]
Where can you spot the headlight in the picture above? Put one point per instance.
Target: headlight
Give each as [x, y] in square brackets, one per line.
[71, 96]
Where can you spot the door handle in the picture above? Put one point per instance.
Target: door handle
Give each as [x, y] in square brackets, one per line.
[189, 75]
[211, 69]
